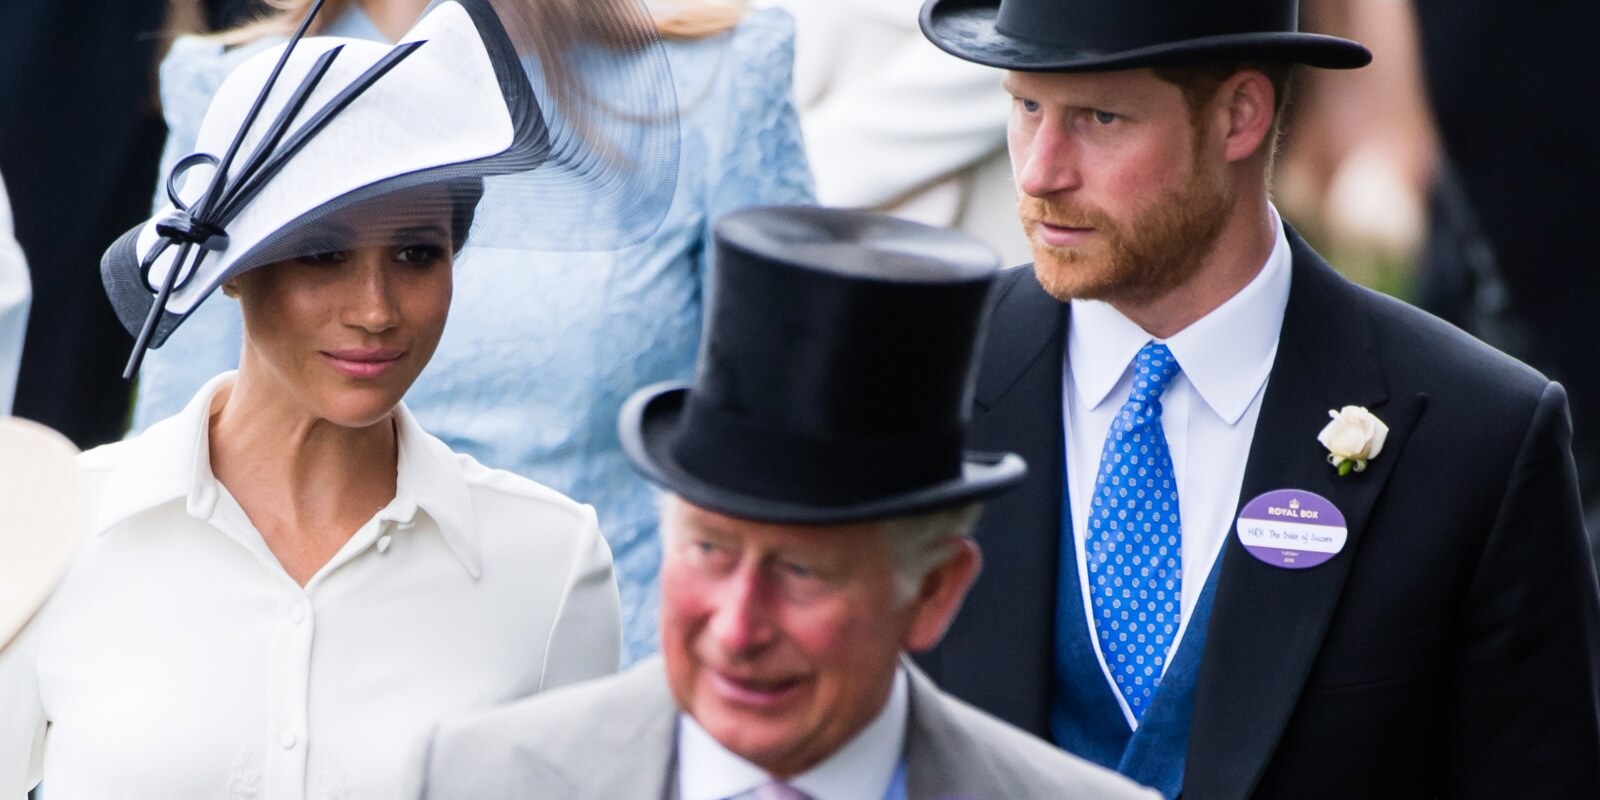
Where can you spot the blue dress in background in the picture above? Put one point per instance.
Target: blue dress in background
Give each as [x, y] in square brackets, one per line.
[542, 348]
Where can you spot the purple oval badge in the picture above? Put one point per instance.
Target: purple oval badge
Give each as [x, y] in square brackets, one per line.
[1292, 529]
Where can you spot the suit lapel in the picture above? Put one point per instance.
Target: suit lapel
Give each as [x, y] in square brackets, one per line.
[941, 759]
[1009, 614]
[1267, 623]
[640, 737]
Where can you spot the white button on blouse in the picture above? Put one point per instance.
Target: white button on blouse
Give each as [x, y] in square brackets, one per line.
[179, 660]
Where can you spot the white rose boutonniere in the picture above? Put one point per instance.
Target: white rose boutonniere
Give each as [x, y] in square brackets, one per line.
[1353, 438]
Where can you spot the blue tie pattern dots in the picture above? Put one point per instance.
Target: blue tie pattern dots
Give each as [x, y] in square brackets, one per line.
[1133, 544]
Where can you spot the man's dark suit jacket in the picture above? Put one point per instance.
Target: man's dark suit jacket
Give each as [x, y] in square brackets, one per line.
[1451, 650]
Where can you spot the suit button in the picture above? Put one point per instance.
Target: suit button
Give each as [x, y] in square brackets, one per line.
[297, 613]
[287, 739]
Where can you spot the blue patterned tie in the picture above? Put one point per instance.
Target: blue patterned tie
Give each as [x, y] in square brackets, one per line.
[1134, 536]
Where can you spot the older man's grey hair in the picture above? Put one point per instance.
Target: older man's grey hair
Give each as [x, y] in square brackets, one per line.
[923, 542]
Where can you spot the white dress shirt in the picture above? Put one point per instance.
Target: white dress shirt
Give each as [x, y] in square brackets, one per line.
[15, 293]
[861, 770]
[179, 660]
[1208, 414]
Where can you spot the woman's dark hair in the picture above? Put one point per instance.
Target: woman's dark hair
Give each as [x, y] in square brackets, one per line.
[464, 197]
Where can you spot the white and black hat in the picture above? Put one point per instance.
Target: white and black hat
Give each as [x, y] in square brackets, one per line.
[322, 135]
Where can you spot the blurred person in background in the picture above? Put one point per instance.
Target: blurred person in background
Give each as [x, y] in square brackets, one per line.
[286, 583]
[1402, 166]
[15, 294]
[1358, 151]
[891, 124]
[79, 140]
[545, 346]
[1513, 252]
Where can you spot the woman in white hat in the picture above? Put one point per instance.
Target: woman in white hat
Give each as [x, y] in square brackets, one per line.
[286, 584]
[543, 347]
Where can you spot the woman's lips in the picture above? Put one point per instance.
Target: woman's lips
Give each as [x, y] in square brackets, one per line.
[1062, 235]
[363, 363]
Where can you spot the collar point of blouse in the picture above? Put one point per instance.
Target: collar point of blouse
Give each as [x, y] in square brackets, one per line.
[170, 462]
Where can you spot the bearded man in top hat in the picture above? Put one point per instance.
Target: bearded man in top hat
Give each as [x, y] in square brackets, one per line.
[1206, 582]
[814, 529]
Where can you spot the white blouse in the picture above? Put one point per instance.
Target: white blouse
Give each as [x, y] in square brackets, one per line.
[179, 660]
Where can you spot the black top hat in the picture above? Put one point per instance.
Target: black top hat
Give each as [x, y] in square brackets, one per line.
[836, 375]
[1092, 35]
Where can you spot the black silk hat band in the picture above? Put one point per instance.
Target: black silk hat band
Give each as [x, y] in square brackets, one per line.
[835, 380]
[862, 467]
[1097, 35]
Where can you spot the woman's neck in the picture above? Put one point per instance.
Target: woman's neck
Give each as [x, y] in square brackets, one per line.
[307, 484]
[393, 18]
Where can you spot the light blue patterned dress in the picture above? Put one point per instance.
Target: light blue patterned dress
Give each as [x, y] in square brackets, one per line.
[542, 348]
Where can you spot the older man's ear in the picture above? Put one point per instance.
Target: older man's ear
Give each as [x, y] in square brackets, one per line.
[940, 595]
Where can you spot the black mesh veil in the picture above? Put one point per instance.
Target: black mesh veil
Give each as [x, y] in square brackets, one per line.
[601, 75]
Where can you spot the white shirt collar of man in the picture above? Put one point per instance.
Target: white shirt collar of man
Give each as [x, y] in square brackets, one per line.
[861, 770]
[1226, 355]
[175, 463]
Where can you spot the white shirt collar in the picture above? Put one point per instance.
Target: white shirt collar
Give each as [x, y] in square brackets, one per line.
[1226, 355]
[861, 770]
[172, 460]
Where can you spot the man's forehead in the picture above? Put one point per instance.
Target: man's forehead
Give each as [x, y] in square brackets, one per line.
[709, 521]
[1084, 87]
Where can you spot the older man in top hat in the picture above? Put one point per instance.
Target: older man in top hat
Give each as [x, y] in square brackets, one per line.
[1206, 582]
[815, 528]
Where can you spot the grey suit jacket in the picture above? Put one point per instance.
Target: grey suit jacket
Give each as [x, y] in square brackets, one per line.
[615, 738]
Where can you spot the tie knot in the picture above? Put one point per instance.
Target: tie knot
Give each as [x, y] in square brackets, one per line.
[1153, 370]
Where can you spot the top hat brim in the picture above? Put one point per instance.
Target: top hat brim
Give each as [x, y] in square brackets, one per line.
[651, 417]
[966, 29]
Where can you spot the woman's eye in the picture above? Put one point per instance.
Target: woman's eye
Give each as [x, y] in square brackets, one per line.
[1105, 117]
[1030, 106]
[330, 257]
[419, 254]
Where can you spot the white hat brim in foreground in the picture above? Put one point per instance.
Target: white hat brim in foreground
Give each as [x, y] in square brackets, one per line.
[42, 498]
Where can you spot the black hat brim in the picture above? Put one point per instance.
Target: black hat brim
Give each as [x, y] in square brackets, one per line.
[391, 198]
[651, 417]
[966, 29]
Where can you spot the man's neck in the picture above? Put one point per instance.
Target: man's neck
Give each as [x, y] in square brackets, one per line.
[1235, 258]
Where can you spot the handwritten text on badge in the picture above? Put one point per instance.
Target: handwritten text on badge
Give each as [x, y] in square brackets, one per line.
[1292, 529]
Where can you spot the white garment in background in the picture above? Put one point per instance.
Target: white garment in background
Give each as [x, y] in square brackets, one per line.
[15, 293]
[893, 123]
[179, 660]
[1208, 414]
